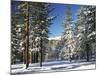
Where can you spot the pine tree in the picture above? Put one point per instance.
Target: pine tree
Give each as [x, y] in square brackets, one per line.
[68, 36]
[85, 27]
[90, 25]
[41, 25]
[16, 28]
[80, 30]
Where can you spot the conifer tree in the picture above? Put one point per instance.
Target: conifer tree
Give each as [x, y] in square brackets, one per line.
[86, 31]
[68, 35]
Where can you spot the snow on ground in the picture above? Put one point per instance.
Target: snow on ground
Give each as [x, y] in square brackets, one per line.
[51, 67]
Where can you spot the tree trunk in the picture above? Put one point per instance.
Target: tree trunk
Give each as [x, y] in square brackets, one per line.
[27, 36]
[41, 53]
[87, 52]
[36, 57]
[23, 56]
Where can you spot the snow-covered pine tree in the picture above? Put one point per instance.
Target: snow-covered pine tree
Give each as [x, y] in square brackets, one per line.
[80, 30]
[14, 42]
[90, 31]
[68, 48]
[85, 27]
[23, 8]
[16, 29]
[41, 24]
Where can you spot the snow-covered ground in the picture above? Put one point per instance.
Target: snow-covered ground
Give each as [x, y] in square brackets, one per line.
[54, 66]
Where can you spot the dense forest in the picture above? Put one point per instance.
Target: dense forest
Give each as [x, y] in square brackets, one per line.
[30, 41]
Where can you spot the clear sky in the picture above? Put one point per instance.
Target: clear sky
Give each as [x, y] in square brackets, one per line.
[56, 28]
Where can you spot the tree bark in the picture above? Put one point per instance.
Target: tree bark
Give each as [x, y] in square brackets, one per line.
[87, 52]
[24, 57]
[41, 52]
[27, 36]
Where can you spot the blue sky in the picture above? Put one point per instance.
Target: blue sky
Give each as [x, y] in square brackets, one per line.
[56, 28]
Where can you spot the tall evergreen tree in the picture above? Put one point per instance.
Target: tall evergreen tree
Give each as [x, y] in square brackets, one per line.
[68, 35]
[16, 29]
[86, 30]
